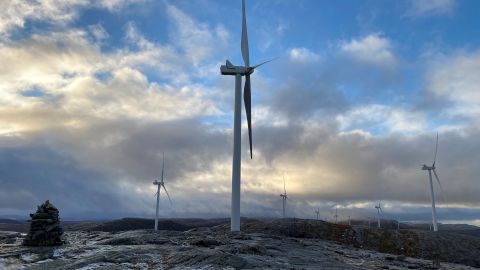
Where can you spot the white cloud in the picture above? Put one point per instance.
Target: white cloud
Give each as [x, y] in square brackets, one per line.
[196, 40]
[431, 7]
[379, 119]
[64, 67]
[372, 49]
[133, 35]
[98, 32]
[303, 55]
[282, 27]
[115, 5]
[456, 79]
[14, 13]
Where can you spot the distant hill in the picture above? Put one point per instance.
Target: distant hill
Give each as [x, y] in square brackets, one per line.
[10, 221]
[126, 224]
[393, 225]
[462, 229]
[14, 226]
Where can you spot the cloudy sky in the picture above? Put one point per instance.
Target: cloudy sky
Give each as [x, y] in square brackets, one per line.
[93, 92]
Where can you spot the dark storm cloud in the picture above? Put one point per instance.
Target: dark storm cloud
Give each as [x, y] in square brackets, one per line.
[83, 175]
[394, 168]
[188, 146]
[298, 98]
[30, 175]
[358, 167]
[306, 88]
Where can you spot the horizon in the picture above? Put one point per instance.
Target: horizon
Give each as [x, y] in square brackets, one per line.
[227, 218]
[93, 92]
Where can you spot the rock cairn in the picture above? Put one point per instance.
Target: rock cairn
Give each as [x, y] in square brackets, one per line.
[45, 229]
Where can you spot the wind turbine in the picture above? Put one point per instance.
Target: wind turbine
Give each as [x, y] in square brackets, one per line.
[432, 195]
[336, 214]
[285, 197]
[317, 211]
[238, 72]
[379, 210]
[160, 184]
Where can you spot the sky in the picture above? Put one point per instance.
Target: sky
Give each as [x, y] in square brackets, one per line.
[92, 93]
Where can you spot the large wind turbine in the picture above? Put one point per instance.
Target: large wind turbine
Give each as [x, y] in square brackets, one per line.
[379, 210]
[432, 195]
[285, 197]
[160, 184]
[238, 72]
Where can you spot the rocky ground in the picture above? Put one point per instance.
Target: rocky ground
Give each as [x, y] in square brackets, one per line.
[278, 244]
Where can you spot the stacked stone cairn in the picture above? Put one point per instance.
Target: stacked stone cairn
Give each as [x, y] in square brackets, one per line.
[45, 229]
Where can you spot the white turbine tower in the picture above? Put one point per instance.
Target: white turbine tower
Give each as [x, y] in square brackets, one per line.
[317, 211]
[379, 210]
[238, 72]
[160, 184]
[432, 195]
[284, 197]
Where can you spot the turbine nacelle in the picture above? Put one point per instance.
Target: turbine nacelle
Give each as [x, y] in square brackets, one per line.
[230, 69]
[425, 167]
[378, 207]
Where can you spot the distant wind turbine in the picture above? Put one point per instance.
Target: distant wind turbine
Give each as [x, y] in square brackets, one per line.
[379, 210]
[336, 214]
[317, 211]
[238, 72]
[284, 196]
[160, 184]
[432, 195]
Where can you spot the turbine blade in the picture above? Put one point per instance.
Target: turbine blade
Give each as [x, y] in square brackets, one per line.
[244, 45]
[247, 98]
[284, 188]
[263, 63]
[167, 193]
[436, 148]
[443, 194]
[438, 180]
[163, 164]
